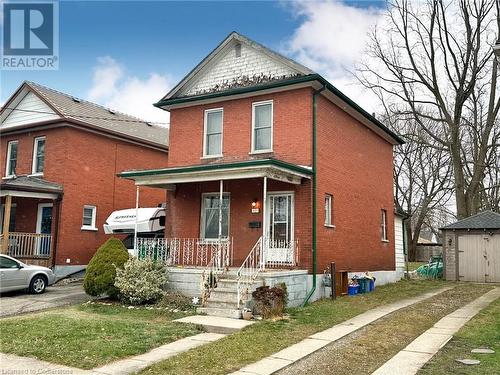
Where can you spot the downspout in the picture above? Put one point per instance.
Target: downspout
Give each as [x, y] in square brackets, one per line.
[314, 188]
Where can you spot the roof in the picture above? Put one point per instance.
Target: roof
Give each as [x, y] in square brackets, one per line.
[483, 220]
[30, 183]
[72, 108]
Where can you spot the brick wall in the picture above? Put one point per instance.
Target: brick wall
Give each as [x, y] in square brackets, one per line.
[291, 135]
[355, 166]
[86, 165]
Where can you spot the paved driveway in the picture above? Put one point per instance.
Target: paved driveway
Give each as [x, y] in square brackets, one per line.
[14, 303]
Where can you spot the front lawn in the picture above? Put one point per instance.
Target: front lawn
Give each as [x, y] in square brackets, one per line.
[482, 331]
[263, 339]
[90, 335]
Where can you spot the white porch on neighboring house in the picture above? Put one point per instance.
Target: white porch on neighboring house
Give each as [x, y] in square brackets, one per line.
[29, 219]
[246, 225]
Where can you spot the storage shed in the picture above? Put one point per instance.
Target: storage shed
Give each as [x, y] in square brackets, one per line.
[471, 248]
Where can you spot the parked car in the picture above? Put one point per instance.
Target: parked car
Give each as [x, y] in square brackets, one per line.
[16, 275]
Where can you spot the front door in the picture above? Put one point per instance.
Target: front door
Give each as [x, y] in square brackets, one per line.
[44, 226]
[279, 237]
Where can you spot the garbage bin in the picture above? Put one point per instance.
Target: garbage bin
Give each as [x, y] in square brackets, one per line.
[352, 290]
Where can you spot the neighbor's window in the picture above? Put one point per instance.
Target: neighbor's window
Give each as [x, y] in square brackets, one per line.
[10, 168]
[328, 210]
[38, 155]
[210, 216]
[212, 143]
[12, 222]
[89, 215]
[383, 225]
[262, 126]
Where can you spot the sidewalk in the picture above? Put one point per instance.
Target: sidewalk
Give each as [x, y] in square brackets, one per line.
[409, 360]
[321, 339]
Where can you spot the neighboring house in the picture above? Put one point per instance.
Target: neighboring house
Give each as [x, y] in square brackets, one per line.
[271, 168]
[471, 248]
[59, 159]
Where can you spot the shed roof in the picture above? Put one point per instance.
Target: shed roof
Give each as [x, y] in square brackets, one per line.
[483, 220]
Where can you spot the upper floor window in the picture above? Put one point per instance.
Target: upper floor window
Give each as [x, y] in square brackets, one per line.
[38, 155]
[329, 210]
[89, 217]
[262, 126]
[383, 225]
[11, 160]
[212, 139]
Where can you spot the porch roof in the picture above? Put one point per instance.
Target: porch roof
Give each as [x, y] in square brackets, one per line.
[167, 177]
[30, 187]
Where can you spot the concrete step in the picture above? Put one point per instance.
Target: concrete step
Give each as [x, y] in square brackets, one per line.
[222, 304]
[217, 311]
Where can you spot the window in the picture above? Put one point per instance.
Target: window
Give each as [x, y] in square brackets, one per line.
[262, 126]
[212, 142]
[38, 156]
[329, 210]
[88, 222]
[8, 263]
[383, 229]
[10, 167]
[210, 216]
[12, 222]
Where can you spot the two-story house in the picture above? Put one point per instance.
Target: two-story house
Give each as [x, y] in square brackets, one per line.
[59, 157]
[272, 171]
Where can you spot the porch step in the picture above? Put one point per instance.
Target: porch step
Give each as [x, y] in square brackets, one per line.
[219, 311]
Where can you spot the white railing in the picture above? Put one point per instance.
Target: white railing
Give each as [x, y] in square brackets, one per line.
[195, 252]
[29, 245]
[216, 268]
[266, 253]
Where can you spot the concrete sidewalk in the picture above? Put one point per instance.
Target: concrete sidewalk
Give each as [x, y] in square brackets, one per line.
[409, 360]
[302, 349]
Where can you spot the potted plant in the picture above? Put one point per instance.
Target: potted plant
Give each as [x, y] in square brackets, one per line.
[246, 313]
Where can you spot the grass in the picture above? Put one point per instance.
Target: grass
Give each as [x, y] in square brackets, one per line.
[90, 335]
[482, 331]
[265, 338]
[368, 349]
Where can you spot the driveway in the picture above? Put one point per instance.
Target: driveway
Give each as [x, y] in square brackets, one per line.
[14, 303]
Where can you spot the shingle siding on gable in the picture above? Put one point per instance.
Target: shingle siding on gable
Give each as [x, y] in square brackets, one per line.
[229, 67]
[30, 109]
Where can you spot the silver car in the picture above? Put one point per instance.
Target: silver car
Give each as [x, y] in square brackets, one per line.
[15, 275]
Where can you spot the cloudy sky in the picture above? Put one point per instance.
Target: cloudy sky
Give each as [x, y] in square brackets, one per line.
[126, 55]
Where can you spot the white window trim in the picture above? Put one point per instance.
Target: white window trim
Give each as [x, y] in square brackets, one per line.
[329, 220]
[383, 225]
[202, 218]
[256, 104]
[33, 163]
[205, 116]
[7, 161]
[94, 215]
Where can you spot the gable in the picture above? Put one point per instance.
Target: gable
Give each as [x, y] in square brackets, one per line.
[30, 109]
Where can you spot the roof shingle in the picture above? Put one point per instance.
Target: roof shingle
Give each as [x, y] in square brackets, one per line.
[482, 220]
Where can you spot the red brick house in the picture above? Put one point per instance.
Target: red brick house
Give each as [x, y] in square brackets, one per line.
[272, 171]
[59, 159]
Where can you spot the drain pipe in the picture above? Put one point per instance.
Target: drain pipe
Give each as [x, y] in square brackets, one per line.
[314, 188]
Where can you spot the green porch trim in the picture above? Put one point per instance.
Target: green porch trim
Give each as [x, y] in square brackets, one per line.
[222, 166]
[283, 83]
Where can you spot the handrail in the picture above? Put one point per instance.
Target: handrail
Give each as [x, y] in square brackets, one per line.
[29, 245]
[253, 264]
[216, 267]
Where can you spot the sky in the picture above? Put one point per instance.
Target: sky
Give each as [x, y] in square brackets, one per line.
[128, 54]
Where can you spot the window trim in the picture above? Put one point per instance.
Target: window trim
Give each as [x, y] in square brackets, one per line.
[34, 161]
[205, 118]
[7, 161]
[329, 223]
[384, 226]
[94, 216]
[202, 216]
[254, 105]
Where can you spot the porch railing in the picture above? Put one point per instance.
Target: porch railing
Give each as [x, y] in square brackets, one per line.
[195, 252]
[29, 245]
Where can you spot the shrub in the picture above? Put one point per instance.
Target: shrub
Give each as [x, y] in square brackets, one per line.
[101, 271]
[270, 302]
[141, 281]
[176, 300]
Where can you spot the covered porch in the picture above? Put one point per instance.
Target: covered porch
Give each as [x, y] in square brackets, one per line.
[28, 216]
[247, 215]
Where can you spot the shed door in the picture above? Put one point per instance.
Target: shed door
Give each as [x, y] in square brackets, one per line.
[479, 258]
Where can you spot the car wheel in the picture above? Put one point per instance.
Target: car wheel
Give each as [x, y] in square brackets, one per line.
[38, 284]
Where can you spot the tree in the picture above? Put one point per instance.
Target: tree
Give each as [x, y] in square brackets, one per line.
[433, 63]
